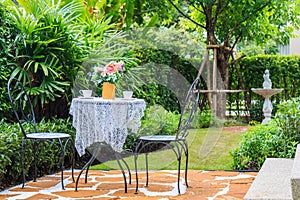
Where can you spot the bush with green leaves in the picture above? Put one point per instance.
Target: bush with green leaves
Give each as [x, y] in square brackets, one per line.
[288, 119]
[157, 121]
[203, 119]
[278, 138]
[46, 42]
[8, 33]
[48, 154]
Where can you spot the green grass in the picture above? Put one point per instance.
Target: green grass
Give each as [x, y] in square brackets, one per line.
[209, 150]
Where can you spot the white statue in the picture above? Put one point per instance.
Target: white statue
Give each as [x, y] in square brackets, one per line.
[267, 84]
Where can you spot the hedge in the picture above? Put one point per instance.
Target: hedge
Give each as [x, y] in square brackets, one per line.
[284, 73]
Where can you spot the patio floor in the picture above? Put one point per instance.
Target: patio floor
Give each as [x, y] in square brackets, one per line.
[162, 186]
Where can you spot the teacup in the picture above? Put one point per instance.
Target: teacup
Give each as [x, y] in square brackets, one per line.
[86, 93]
[127, 94]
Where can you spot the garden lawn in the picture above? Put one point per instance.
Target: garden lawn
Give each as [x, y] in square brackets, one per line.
[208, 150]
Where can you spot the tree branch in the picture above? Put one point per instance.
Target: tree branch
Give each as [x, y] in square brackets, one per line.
[236, 41]
[216, 13]
[248, 17]
[234, 61]
[201, 11]
[186, 16]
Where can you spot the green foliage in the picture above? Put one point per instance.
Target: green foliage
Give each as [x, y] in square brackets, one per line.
[255, 110]
[230, 22]
[48, 152]
[160, 63]
[284, 73]
[5, 107]
[204, 118]
[238, 20]
[257, 144]
[275, 139]
[288, 119]
[45, 43]
[8, 33]
[157, 121]
[252, 49]
[47, 52]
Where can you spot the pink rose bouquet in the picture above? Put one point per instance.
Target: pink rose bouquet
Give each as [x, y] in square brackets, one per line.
[110, 73]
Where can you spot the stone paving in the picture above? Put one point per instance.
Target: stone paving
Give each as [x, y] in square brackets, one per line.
[209, 185]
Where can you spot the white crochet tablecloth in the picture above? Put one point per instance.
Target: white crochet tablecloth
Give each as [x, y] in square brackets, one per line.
[102, 120]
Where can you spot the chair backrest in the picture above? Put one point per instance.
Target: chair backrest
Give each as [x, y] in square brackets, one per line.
[22, 106]
[189, 108]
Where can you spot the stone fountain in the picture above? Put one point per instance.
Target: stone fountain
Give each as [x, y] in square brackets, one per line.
[267, 92]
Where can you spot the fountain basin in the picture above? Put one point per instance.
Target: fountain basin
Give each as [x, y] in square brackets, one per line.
[266, 93]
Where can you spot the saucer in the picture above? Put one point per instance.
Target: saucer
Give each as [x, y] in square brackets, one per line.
[85, 97]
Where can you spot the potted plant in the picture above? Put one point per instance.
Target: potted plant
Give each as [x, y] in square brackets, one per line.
[107, 76]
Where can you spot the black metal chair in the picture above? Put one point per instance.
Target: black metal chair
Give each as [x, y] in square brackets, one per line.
[177, 142]
[24, 112]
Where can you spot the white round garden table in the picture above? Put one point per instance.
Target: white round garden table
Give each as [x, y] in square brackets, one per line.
[105, 121]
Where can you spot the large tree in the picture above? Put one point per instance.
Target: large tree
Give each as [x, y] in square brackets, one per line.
[227, 22]
[223, 23]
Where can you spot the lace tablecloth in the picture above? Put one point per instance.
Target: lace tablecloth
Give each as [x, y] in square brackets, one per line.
[101, 120]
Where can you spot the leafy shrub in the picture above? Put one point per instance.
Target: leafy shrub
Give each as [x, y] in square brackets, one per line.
[278, 138]
[46, 43]
[206, 119]
[159, 121]
[288, 119]
[8, 32]
[48, 162]
[203, 119]
[255, 110]
[156, 121]
[257, 144]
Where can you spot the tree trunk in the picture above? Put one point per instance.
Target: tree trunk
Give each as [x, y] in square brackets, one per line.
[223, 55]
[221, 81]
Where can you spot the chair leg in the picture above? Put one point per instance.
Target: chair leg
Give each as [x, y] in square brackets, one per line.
[62, 162]
[34, 157]
[95, 153]
[124, 175]
[22, 162]
[73, 159]
[128, 169]
[178, 175]
[136, 173]
[85, 166]
[88, 168]
[147, 170]
[186, 166]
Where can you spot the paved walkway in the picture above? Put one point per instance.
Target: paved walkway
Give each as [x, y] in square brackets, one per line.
[101, 185]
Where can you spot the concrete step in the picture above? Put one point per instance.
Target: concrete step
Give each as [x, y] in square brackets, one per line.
[295, 177]
[273, 181]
